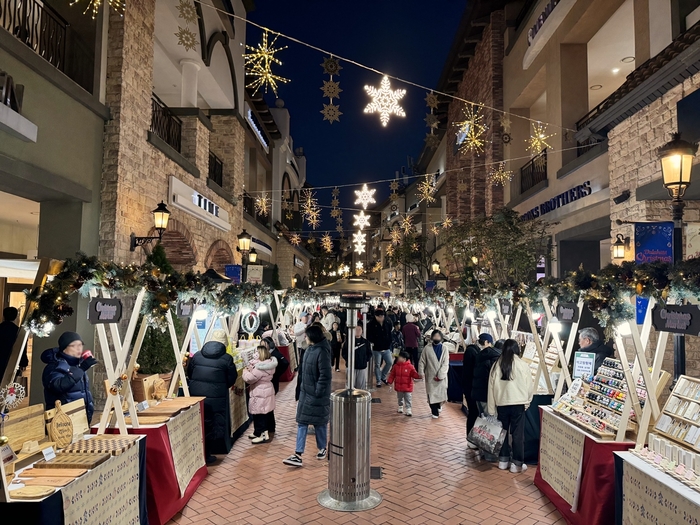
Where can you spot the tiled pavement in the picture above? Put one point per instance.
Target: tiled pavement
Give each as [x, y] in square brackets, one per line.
[429, 476]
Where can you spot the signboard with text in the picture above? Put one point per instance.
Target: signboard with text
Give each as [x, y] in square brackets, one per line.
[584, 363]
[653, 241]
[677, 319]
[104, 311]
[254, 273]
[567, 313]
[506, 307]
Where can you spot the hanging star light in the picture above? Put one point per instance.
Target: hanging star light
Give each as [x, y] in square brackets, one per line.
[505, 122]
[365, 196]
[186, 38]
[295, 239]
[327, 243]
[331, 66]
[359, 239]
[538, 139]
[385, 101]
[446, 223]
[407, 225]
[335, 202]
[431, 120]
[331, 89]
[431, 140]
[259, 65]
[331, 113]
[435, 229]
[335, 213]
[262, 205]
[336, 192]
[390, 250]
[394, 185]
[426, 189]
[377, 267]
[94, 6]
[471, 130]
[431, 100]
[395, 236]
[339, 228]
[361, 220]
[314, 218]
[500, 176]
[461, 186]
[289, 215]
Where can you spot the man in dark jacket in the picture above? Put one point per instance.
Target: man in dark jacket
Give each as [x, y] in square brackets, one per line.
[363, 353]
[485, 360]
[411, 336]
[589, 341]
[8, 336]
[469, 365]
[379, 334]
[211, 373]
[314, 406]
[65, 375]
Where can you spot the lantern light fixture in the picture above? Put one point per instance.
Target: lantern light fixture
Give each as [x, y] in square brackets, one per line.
[161, 216]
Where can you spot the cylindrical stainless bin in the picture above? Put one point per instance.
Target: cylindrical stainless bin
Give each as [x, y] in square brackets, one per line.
[349, 453]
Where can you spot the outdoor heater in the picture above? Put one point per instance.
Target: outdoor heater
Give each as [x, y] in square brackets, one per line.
[349, 443]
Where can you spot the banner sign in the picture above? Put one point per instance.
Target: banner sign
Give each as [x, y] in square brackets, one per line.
[567, 313]
[104, 311]
[233, 272]
[506, 307]
[255, 273]
[677, 319]
[653, 241]
[186, 445]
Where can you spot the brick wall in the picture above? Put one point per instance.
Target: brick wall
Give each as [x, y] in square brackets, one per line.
[481, 83]
[285, 263]
[633, 162]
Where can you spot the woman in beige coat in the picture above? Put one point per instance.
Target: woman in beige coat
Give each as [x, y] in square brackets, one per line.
[434, 365]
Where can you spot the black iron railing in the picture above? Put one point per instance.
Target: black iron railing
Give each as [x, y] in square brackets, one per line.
[534, 172]
[248, 204]
[49, 36]
[216, 169]
[166, 125]
[585, 146]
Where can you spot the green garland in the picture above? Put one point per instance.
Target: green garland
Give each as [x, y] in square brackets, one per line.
[299, 295]
[163, 291]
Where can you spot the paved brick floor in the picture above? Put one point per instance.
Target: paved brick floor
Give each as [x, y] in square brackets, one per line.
[429, 476]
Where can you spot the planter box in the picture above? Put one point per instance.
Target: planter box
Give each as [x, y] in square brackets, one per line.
[142, 387]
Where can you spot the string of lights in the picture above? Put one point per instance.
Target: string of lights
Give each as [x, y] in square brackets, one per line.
[374, 70]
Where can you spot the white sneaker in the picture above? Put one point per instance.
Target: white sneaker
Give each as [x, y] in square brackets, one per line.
[516, 469]
[264, 438]
[503, 465]
[408, 412]
[435, 417]
[472, 446]
[400, 410]
[440, 409]
[252, 436]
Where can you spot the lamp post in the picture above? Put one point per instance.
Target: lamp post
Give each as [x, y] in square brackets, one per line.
[244, 239]
[676, 168]
[161, 215]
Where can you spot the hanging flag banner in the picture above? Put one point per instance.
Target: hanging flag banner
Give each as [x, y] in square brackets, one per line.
[653, 241]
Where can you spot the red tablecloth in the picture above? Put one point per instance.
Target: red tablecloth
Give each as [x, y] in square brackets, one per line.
[163, 491]
[458, 356]
[596, 503]
[289, 373]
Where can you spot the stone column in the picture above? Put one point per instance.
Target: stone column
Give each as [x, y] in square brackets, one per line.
[195, 143]
[188, 91]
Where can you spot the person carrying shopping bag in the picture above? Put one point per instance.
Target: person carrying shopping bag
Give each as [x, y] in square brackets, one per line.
[509, 396]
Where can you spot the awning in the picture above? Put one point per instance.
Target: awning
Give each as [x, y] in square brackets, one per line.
[18, 268]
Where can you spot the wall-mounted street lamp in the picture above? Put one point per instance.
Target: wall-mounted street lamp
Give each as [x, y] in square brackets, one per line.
[619, 247]
[435, 267]
[161, 215]
[247, 255]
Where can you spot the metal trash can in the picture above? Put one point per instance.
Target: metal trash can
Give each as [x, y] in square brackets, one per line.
[349, 453]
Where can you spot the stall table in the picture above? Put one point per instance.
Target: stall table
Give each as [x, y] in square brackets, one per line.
[52, 510]
[454, 379]
[576, 470]
[645, 495]
[175, 464]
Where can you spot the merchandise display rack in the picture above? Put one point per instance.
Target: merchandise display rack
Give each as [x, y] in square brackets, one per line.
[680, 419]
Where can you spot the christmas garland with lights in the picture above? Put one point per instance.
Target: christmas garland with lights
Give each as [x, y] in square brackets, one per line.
[163, 291]
[294, 296]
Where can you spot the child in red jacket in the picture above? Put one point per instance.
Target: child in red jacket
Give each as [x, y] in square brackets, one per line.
[403, 373]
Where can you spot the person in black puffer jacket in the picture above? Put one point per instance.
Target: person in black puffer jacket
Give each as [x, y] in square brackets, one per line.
[314, 395]
[482, 370]
[65, 375]
[211, 372]
[468, 366]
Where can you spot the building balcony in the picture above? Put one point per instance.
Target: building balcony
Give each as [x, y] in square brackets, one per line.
[534, 172]
[165, 124]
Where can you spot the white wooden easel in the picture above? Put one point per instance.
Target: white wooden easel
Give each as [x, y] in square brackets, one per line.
[560, 350]
[542, 365]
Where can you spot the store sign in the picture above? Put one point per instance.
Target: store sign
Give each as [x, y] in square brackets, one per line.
[11, 94]
[584, 363]
[548, 8]
[194, 203]
[104, 311]
[505, 306]
[567, 313]
[677, 319]
[653, 241]
[234, 272]
[254, 273]
[567, 197]
[298, 262]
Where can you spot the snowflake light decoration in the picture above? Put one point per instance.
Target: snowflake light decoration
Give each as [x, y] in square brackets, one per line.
[359, 239]
[314, 218]
[336, 192]
[471, 130]
[426, 189]
[331, 89]
[377, 267]
[327, 243]
[339, 228]
[262, 205]
[295, 239]
[361, 220]
[365, 196]
[385, 101]
[331, 113]
[94, 6]
[500, 176]
[390, 250]
[331, 66]
[359, 265]
[335, 213]
[187, 11]
[415, 247]
[259, 64]
[395, 236]
[435, 229]
[505, 122]
[446, 223]
[407, 225]
[186, 38]
[431, 100]
[538, 139]
[394, 185]
[431, 120]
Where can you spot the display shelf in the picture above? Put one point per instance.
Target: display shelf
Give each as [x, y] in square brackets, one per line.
[675, 412]
[601, 434]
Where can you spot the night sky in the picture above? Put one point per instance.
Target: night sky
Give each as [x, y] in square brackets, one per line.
[407, 38]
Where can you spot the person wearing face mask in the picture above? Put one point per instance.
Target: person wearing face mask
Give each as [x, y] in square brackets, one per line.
[65, 376]
[434, 365]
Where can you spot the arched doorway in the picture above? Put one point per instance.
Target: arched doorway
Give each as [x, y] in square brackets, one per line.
[218, 256]
[179, 246]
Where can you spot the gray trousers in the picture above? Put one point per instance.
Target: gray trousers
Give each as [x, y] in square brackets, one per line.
[405, 399]
[360, 379]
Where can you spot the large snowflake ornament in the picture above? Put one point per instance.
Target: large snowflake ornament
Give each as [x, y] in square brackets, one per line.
[446, 223]
[262, 205]
[359, 239]
[500, 176]
[361, 220]
[259, 64]
[426, 189]
[538, 139]
[187, 11]
[331, 113]
[331, 66]
[471, 130]
[431, 100]
[186, 38]
[395, 236]
[365, 196]
[327, 243]
[385, 101]
[407, 225]
[295, 239]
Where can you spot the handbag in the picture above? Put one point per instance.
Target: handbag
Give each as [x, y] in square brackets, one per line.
[488, 434]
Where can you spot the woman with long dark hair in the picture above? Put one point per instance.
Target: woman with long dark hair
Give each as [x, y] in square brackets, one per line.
[509, 396]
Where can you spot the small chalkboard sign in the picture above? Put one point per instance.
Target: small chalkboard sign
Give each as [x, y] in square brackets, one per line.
[104, 311]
